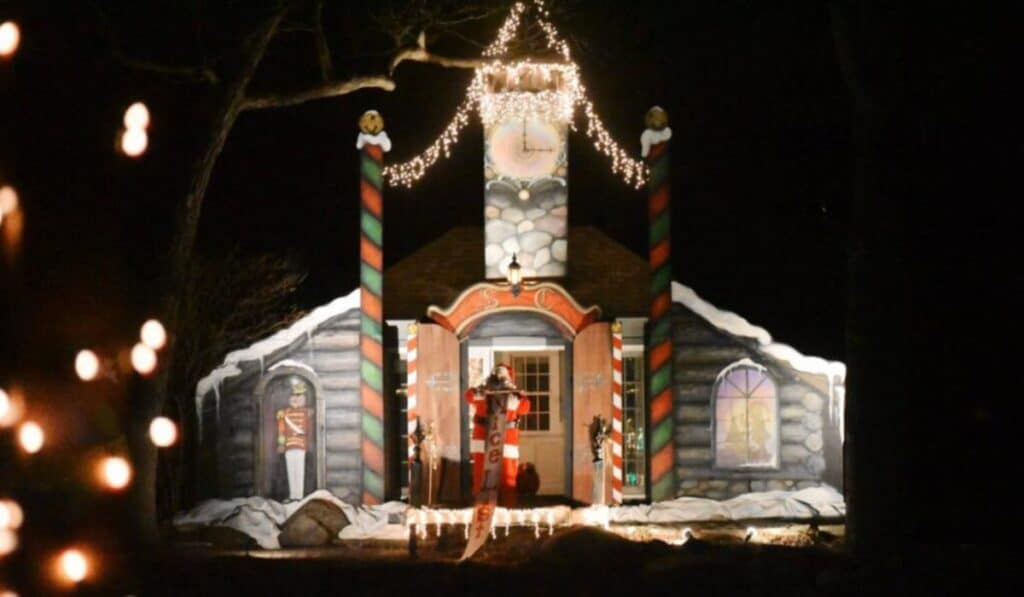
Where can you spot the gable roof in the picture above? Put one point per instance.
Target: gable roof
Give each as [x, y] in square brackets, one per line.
[602, 272]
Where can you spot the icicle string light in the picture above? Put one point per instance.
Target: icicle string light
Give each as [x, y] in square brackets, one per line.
[558, 104]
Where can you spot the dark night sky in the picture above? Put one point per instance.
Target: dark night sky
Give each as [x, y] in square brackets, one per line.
[763, 177]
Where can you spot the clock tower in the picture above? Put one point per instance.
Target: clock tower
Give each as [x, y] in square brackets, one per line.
[526, 108]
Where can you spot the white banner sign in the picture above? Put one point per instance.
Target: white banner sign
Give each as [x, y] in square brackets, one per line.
[487, 498]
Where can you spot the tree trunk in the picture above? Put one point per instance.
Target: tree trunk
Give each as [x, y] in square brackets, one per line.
[152, 395]
[875, 479]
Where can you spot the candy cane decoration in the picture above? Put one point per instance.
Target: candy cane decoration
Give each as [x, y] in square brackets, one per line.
[372, 142]
[654, 142]
[617, 412]
[410, 392]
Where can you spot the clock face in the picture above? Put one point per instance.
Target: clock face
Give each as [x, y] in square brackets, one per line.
[524, 149]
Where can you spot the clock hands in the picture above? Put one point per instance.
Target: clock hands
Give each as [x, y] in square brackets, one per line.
[528, 149]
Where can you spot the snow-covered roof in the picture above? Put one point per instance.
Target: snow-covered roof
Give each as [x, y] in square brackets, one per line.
[736, 325]
[260, 350]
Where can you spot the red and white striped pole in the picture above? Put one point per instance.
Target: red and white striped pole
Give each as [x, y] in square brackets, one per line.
[617, 412]
[410, 392]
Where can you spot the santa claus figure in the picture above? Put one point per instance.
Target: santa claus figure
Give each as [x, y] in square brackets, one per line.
[485, 399]
[293, 426]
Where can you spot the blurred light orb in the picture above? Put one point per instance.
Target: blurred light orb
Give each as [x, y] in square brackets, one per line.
[134, 142]
[136, 116]
[8, 593]
[11, 515]
[115, 472]
[87, 365]
[31, 437]
[163, 432]
[8, 541]
[153, 334]
[10, 37]
[8, 200]
[73, 565]
[143, 359]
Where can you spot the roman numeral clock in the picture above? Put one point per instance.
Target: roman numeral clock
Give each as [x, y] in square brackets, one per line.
[526, 210]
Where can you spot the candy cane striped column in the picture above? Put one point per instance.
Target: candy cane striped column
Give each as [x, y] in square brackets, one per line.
[410, 392]
[617, 412]
[659, 351]
[372, 142]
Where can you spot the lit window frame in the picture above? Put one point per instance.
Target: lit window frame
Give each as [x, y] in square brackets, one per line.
[715, 389]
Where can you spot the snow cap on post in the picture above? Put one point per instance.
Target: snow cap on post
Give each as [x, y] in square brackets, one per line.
[657, 131]
[371, 131]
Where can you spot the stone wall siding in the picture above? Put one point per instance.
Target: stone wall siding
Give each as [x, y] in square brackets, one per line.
[700, 353]
[232, 431]
[535, 229]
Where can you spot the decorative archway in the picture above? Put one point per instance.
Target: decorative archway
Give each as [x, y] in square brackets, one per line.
[545, 298]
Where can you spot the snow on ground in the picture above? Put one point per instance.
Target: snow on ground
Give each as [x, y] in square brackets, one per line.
[805, 504]
[261, 518]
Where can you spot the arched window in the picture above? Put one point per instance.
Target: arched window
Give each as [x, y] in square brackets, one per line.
[746, 417]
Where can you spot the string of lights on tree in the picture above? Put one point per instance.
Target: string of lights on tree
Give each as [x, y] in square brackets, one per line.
[110, 472]
[559, 104]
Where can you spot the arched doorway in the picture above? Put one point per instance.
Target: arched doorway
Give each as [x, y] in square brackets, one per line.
[289, 458]
[562, 355]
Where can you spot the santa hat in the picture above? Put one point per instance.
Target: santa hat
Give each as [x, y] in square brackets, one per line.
[508, 369]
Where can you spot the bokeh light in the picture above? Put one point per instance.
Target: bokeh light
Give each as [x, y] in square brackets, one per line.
[8, 200]
[134, 142]
[143, 359]
[10, 38]
[163, 432]
[12, 406]
[136, 116]
[11, 515]
[8, 541]
[31, 437]
[153, 334]
[87, 365]
[73, 565]
[115, 472]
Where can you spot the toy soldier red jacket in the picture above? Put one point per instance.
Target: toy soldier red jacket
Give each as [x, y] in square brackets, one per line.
[292, 424]
[516, 405]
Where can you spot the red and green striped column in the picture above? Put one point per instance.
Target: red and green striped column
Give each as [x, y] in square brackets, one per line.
[655, 141]
[372, 143]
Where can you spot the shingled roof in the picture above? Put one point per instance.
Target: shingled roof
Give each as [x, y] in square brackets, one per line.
[602, 272]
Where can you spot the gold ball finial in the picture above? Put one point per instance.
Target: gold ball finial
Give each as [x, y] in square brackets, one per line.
[414, 328]
[371, 122]
[616, 327]
[656, 118]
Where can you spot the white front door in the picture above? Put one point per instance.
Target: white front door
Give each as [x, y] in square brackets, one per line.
[541, 433]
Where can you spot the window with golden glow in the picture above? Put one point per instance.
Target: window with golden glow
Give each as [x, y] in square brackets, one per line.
[533, 376]
[746, 418]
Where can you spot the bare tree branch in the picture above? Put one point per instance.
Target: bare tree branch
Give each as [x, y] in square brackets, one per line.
[199, 73]
[321, 91]
[323, 51]
[420, 54]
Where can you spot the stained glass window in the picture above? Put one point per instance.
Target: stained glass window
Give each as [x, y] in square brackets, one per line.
[746, 418]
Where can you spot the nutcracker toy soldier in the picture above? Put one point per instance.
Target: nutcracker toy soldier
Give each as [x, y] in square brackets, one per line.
[293, 427]
[500, 383]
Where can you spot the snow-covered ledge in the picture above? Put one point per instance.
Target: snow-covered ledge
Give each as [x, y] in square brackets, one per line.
[260, 350]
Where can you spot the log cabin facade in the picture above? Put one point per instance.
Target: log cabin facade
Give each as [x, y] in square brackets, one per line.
[747, 414]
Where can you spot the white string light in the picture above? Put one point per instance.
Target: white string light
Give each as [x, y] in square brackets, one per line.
[556, 101]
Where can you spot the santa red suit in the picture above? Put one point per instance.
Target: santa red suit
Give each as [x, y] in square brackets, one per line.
[479, 400]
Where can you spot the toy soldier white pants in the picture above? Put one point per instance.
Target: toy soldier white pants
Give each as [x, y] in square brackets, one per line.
[295, 462]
